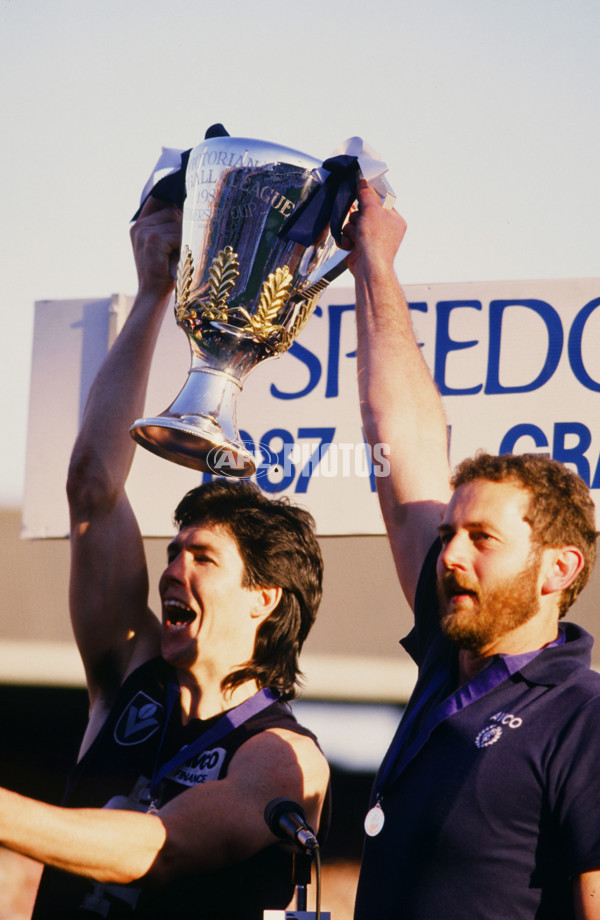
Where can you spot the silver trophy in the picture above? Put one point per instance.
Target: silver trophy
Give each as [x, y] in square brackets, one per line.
[244, 291]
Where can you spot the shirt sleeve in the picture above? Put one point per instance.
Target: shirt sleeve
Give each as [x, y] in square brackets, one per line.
[574, 785]
[426, 625]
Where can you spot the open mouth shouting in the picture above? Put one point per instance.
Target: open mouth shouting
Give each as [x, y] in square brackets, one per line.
[450, 590]
[177, 615]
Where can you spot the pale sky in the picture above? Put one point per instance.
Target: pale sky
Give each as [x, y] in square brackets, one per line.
[486, 111]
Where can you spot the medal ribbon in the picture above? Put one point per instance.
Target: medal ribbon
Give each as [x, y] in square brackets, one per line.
[403, 749]
[228, 722]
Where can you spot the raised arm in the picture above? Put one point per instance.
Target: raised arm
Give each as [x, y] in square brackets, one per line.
[113, 626]
[400, 403]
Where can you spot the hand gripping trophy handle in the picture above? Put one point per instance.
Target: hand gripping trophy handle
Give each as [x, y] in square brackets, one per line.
[248, 281]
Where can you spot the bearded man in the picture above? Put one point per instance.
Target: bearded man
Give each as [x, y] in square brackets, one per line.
[487, 804]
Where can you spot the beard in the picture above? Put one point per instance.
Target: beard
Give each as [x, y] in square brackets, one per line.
[492, 612]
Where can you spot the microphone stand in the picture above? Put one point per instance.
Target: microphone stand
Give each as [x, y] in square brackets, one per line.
[287, 820]
[301, 874]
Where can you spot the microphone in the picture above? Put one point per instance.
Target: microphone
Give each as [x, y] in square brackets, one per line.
[287, 820]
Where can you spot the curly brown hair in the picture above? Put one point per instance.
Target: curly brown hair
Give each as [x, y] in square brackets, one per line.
[560, 513]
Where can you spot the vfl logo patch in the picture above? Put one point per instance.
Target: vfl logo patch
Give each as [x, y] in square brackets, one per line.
[493, 732]
[139, 720]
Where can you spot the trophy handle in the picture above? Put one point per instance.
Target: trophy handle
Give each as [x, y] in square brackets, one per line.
[335, 267]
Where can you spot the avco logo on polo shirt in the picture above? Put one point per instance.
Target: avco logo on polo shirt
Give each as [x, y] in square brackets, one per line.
[493, 730]
[139, 720]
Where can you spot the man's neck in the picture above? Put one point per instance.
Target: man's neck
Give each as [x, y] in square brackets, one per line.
[208, 699]
[526, 638]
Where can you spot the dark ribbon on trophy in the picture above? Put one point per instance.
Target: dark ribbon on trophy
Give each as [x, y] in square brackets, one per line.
[171, 188]
[329, 204]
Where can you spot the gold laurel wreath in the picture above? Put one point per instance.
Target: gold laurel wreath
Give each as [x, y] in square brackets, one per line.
[223, 273]
[272, 298]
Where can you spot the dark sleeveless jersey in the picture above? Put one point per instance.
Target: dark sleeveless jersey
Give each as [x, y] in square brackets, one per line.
[116, 772]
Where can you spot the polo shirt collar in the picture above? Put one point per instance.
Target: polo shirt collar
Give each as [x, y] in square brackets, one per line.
[556, 662]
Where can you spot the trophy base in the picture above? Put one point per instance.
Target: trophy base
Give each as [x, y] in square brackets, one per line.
[189, 442]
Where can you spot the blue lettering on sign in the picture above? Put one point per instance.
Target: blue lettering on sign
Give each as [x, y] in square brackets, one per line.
[555, 344]
[333, 358]
[571, 443]
[282, 459]
[323, 437]
[312, 363]
[574, 346]
[289, 460]
[444, 345]
[314, 373]
[576, 453]
[522, 431]
[418, 306]
[595, 483]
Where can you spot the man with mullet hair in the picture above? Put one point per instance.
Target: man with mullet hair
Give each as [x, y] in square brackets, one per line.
[189, 735]
[487, 805]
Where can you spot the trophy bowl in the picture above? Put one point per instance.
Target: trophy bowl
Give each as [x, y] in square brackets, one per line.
[244, 291]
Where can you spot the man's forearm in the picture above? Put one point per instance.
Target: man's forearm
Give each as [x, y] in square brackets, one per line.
[399, 400]
[400, 403]
[116, 847]
[394, 380]
[104, 448]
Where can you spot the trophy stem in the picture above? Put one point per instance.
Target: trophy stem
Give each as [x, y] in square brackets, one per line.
[206, 440]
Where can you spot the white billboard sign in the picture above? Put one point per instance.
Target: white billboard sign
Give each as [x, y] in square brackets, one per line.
[517, 365]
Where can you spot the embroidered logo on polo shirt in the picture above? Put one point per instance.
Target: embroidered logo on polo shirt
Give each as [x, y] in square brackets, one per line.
[139, 720]
[488, 735]
[493, 731]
